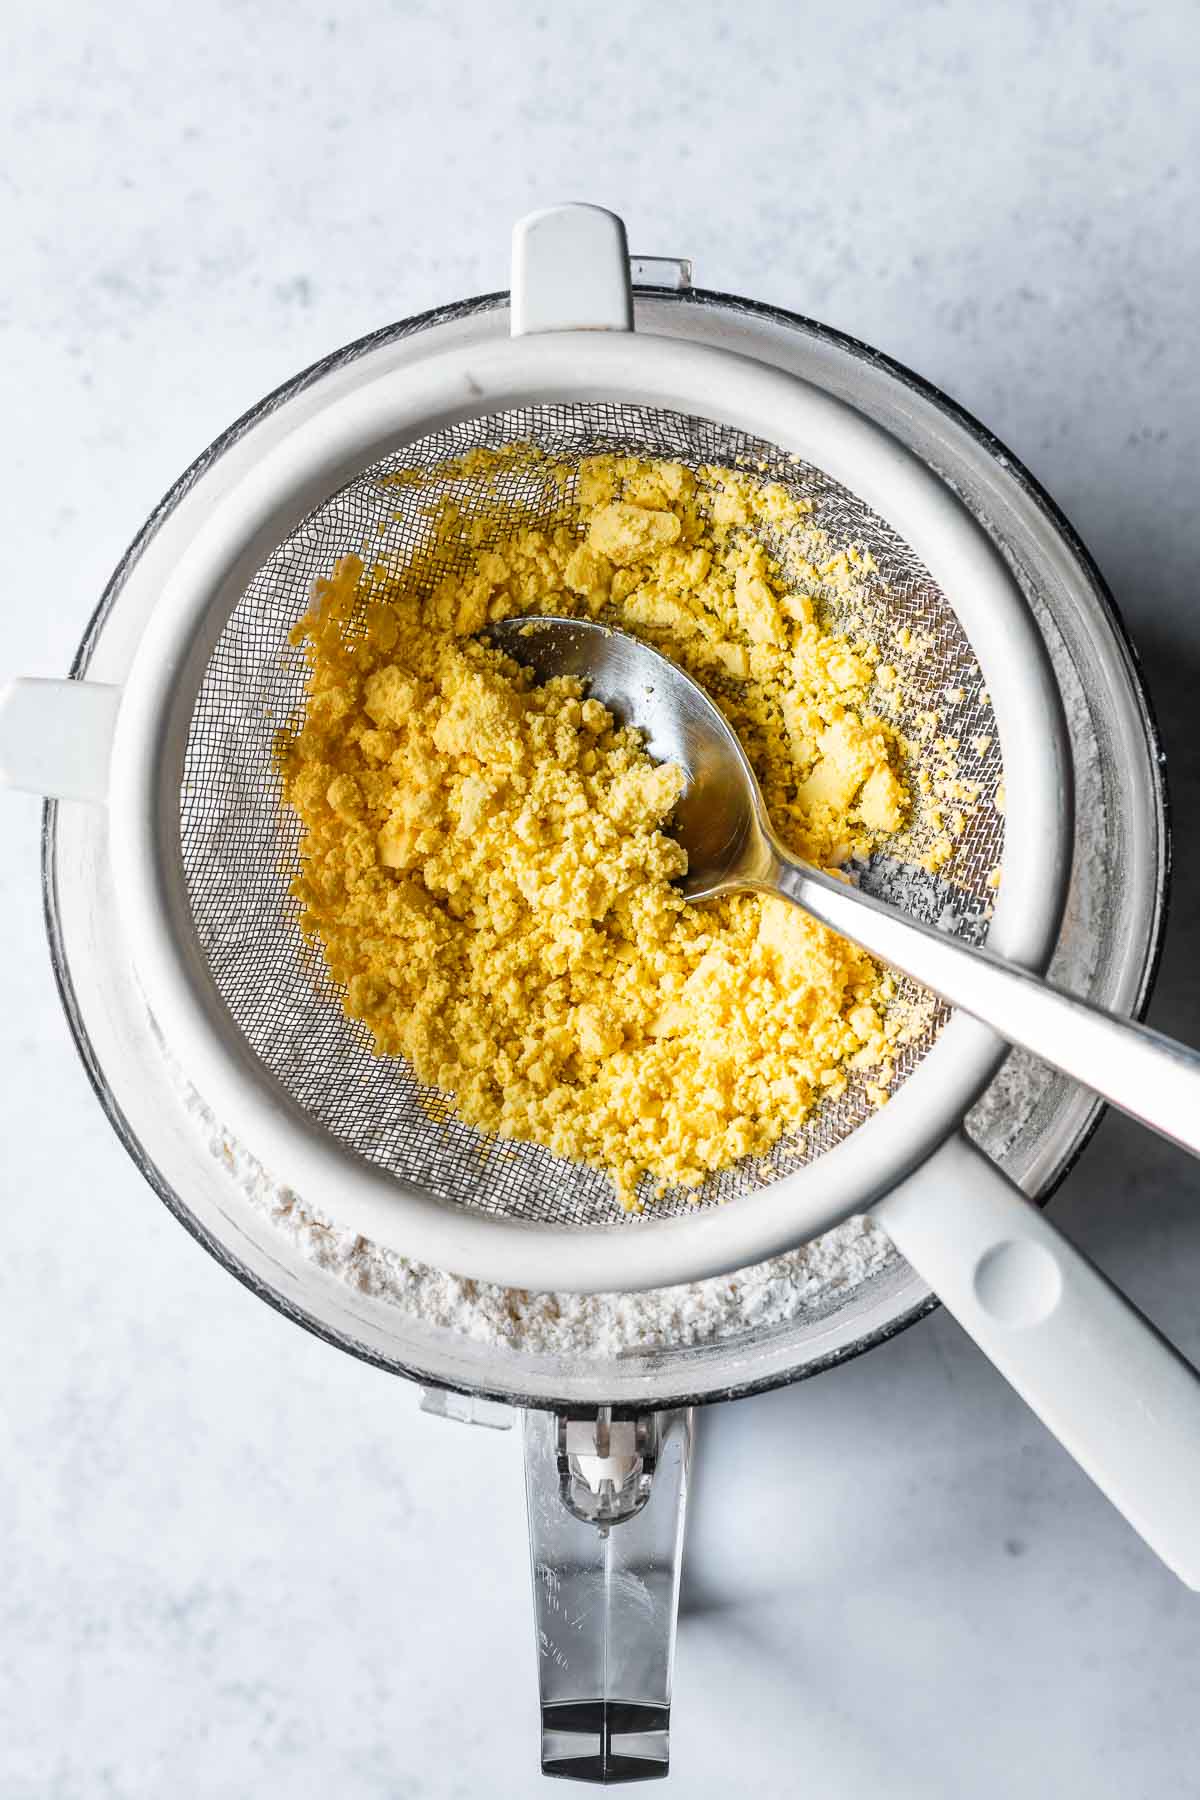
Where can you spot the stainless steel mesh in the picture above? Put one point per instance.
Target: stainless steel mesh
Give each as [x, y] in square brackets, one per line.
[240, 845]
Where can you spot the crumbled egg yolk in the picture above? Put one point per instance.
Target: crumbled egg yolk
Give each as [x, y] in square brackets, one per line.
[488, 866]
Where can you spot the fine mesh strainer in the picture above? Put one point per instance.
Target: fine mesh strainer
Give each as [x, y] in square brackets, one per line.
[239, 844]
[200, 853]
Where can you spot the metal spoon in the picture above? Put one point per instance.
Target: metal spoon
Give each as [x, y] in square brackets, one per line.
[722, 823]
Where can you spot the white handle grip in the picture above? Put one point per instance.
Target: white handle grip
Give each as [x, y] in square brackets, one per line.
[56, 737]
[1113, 1392]
[570, 272]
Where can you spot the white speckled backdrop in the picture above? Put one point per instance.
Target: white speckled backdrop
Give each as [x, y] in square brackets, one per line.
[232, 1562]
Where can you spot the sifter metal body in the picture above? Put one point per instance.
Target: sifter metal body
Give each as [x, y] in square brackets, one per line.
[1023, 543]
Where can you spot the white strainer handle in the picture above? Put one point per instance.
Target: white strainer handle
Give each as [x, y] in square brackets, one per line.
[1113, 1392]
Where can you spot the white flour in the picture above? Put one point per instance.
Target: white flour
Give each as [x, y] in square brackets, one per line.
[813, 1280]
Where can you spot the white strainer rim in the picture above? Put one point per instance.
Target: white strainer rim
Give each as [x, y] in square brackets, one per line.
[256, 513]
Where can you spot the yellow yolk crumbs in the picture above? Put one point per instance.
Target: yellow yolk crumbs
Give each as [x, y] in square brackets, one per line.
[488, 865]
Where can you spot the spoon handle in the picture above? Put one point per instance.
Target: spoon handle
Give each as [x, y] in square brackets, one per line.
[1143, 1073]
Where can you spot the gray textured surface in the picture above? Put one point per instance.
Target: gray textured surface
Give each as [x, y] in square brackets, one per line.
[233, 1563]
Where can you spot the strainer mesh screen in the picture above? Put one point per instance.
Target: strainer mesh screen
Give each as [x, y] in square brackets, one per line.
[240, 845]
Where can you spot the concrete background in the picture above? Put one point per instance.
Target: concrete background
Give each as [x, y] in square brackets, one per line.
[233, 1563]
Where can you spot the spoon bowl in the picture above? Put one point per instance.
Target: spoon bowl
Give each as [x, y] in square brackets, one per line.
[719, 818]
